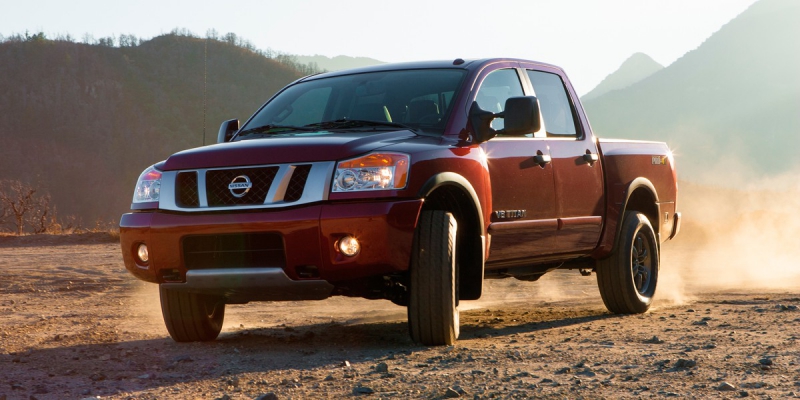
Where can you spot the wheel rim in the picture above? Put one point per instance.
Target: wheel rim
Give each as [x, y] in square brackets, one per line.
[641, 263]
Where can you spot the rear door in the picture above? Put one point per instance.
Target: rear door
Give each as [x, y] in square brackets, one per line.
[576, 166]
[523, 222]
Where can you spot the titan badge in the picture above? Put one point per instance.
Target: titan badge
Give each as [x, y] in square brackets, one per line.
[510, 214]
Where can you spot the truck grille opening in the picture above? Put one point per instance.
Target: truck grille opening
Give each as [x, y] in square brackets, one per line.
[250, 250]
[187, 194]
[245, 187]
[294, 191]
[217, 182]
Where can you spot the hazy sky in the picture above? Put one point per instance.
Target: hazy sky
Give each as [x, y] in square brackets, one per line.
[588, 38]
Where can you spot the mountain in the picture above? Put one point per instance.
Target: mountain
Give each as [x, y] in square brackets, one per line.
[730, 106]
[82, 121]
[337, 63]
[634, 69]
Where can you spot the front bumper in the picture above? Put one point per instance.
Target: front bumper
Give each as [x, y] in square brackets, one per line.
[385, 230]
[249, 284]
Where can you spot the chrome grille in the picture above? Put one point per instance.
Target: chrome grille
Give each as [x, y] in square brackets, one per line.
[186, 188]
[217, 182]
[298, 182]
[277, 185]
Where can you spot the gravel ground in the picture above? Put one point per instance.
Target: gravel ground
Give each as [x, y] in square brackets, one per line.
[74, 325]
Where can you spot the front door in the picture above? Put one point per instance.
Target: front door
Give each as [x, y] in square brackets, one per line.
[523, 222]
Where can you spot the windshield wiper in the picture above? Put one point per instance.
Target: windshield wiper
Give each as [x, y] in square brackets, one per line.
[274, 129]
[357, 123]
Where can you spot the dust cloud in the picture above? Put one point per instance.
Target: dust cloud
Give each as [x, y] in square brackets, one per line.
[559, 287]
[144, 304]
[743, 238]
[733, 239]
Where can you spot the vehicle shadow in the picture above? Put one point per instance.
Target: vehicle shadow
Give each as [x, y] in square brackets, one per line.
[491, 326]
[126, 366]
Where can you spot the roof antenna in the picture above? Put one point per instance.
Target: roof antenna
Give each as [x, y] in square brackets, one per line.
[205, 80]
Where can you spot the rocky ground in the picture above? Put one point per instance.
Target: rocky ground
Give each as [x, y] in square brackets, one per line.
[74, 324]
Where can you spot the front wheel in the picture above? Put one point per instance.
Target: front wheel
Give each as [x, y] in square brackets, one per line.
[432, 313]
[192, 317]
[627, 279]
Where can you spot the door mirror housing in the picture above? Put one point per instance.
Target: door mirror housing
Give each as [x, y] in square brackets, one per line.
[227, 130]
[521, 117]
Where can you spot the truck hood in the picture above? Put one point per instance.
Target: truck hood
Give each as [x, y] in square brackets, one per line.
[278, 149]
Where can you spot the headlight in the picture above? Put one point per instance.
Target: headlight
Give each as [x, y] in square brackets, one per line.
[376, 171]
[148, 187]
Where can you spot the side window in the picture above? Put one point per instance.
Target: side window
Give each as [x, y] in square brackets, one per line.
[557, 110]
[495, 89]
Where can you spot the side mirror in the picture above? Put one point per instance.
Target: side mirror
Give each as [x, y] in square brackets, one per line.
[481, 121]
[227, 130]
[521, 116]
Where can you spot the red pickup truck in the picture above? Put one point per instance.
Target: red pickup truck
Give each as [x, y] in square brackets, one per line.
[409, 182]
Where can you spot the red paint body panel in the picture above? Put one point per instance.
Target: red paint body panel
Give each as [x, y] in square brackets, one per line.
[386, 231]
[580, 197]
[520, 184]
[625, 162]
[283, 150]
[133, 230]
[163, 232]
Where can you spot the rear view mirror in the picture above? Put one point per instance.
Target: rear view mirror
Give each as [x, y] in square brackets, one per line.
[227, 130]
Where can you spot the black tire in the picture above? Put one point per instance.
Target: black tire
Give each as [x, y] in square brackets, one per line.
[192, 317]
[432, 304]
[627, 279]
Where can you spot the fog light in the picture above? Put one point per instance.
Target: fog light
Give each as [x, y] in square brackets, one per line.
[349, 246]
[142, 253]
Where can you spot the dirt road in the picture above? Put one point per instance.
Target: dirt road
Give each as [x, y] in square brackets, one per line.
[74, 324]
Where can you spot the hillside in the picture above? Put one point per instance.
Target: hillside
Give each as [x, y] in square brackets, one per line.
[636, 68]
[82, 121]
[337, 63]
[730, 106]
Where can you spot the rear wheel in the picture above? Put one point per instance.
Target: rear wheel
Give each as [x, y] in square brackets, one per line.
[627, 279]
[432, 313]
[192, 317]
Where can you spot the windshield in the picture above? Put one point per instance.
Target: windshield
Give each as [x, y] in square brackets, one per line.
[416, 99]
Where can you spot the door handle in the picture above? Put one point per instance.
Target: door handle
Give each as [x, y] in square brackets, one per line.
[542, 159]
[590, 157]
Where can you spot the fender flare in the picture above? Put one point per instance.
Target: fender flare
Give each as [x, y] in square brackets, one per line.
[471, 277]
[634, 185]
[453, 179]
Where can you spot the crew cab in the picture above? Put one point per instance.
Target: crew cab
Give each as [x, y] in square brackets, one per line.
[410, 182]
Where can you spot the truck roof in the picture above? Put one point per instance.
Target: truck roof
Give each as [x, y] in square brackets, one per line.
[467, 64]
